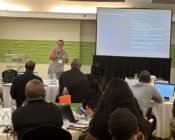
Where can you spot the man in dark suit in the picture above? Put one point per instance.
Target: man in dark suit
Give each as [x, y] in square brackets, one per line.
[75, 81]
[18, 86]
[37, 111]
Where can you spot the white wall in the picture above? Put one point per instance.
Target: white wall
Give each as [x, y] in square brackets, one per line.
[39, 29]
[88, 31]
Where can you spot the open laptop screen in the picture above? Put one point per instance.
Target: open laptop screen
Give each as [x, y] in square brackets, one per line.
[167, 90]
[67, 113]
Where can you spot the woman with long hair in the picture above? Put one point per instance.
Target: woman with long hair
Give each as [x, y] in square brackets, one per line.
[117, 94]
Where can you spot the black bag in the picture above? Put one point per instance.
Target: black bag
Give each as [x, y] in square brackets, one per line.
[9, 75]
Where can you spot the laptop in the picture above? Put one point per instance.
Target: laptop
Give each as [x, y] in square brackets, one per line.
[167, 90]
[67, 113]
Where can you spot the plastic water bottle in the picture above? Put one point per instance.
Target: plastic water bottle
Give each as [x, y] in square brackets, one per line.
[65, 91]
[13, 108]
[1, 104]
[1, 111]
[135, 76]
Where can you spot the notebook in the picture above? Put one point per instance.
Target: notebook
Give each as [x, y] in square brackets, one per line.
[67, 113]
[167, 90]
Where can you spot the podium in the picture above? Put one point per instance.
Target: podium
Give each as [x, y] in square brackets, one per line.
[16, 61]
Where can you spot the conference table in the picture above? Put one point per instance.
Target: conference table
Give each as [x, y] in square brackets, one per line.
[51, 88]
[75, 133]
[163, 113]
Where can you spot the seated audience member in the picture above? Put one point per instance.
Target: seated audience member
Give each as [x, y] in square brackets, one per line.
[144, 93]
[117, 94]
[75, 81]
[97, 71]
[37, 111]
[123, 125]
[18, 86]
[96, 84]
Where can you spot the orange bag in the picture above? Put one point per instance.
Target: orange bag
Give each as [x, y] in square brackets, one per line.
[65, 98]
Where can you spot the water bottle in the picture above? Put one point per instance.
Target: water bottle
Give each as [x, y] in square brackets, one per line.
[1, 111]
[1, 104]
[13, 108]
[65, 91]
[135, 76]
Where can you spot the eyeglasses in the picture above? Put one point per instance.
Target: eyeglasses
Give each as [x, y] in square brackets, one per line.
[60, 44]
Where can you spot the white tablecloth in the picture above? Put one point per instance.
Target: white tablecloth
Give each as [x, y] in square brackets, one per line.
[163, 113]
[51, 93]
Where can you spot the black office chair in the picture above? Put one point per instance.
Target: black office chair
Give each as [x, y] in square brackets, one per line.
[47, 132]
[9, 75]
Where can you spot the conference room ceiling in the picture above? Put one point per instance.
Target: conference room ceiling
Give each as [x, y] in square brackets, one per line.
[47, 5]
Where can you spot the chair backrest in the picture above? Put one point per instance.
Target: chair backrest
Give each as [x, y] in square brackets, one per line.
[9, 75]
[47, 132]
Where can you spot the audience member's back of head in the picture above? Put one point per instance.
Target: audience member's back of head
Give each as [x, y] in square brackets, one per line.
[30, 65]
[145, 76]
[34, 90]
[123, 124]
[96, 69]
[76, 63]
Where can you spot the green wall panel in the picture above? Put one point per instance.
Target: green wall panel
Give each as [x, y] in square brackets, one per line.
[36, 49]
[87, 50]
[173, 55]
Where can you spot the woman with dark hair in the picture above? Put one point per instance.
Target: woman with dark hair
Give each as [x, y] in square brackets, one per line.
[117, 94]
[96, 83]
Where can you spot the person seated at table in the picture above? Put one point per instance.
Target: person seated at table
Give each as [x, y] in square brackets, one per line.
[123, 125]
[17, 90]
[37, 111]
[75, 81]
[117, 94]
[144, 93]
[96, 83]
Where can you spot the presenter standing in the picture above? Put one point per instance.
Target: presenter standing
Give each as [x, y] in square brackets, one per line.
[57, 57]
